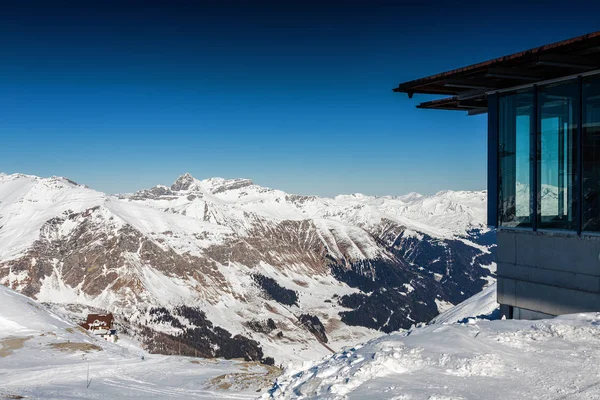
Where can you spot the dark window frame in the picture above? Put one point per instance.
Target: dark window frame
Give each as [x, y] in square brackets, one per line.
[583, 135]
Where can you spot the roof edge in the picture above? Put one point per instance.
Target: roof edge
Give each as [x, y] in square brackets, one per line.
[407, 86]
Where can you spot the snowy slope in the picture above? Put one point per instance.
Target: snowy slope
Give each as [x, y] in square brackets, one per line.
[230, 248]
[480, 359]
[45, 356]
[27, 202]
[483, 305]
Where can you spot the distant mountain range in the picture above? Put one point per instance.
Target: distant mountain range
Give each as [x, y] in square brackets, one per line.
[227, 268]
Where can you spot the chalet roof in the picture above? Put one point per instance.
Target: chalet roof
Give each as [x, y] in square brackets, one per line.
[468, 86]
[104, 320]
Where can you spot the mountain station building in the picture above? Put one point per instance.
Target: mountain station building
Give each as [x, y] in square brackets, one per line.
[101, 325]
[543, 108]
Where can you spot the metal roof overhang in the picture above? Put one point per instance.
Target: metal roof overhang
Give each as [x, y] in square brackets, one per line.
[468, 86]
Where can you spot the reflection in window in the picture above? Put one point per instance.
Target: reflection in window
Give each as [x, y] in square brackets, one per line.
[516, 113]
[557, 163]
[591, 154]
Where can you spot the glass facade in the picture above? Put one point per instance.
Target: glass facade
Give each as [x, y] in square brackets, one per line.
[548, 141]
[558, 112]
[515, 127]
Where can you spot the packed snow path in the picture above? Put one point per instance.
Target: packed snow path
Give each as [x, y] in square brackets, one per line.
[157, 377]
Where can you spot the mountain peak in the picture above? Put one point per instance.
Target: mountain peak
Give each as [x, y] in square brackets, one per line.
[410, 197]
[184, 182]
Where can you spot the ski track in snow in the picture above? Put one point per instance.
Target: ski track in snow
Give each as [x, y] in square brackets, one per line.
[39, 371]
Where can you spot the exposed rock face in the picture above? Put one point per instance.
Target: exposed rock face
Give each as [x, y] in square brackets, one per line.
[265, 327]
[155, 193]
[235, 184]
[314, 325]
[184, 182]
[222, 267]
[100, 254]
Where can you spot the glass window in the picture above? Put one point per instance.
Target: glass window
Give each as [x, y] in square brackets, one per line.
[591, 154]
[557, 162]
[514, 134]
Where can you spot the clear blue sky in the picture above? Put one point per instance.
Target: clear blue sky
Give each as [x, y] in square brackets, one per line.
[295, 95]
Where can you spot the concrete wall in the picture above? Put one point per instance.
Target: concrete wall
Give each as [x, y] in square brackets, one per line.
[548, 273]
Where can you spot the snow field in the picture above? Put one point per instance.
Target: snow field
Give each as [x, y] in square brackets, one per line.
[477, 359]
[43, 356]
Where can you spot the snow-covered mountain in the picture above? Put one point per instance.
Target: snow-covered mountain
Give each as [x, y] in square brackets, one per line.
[229, 268]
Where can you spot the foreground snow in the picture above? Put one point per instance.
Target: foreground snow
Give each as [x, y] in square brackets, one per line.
[479, 359]
[44, 356]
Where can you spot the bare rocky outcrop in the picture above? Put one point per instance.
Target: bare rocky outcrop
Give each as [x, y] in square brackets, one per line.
[101, 254]
[154, 193]
[184, 182]
[314, 325]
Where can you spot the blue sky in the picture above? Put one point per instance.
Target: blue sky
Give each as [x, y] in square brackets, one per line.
[295, 95]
